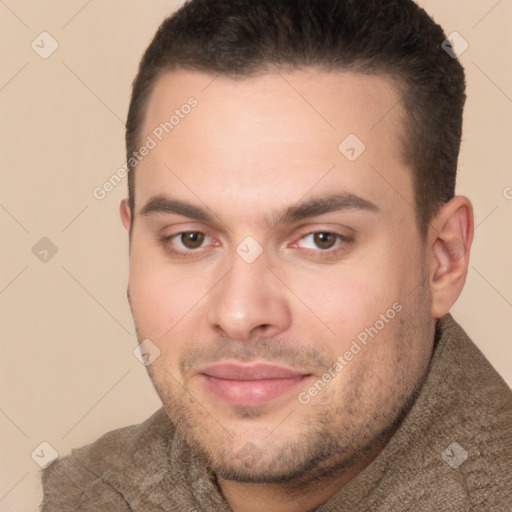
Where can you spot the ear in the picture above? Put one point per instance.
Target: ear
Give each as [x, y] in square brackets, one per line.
[449, 242]
[126, 214]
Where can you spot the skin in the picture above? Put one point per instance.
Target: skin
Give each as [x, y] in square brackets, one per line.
[251, 149]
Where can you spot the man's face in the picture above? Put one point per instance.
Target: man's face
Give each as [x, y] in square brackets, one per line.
[280, 276]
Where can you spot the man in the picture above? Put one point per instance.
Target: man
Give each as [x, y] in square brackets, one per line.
[295, 249]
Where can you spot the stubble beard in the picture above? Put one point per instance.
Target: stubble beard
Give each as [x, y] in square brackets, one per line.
[332, 438]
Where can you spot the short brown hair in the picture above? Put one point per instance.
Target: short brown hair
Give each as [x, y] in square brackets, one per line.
[240, 38]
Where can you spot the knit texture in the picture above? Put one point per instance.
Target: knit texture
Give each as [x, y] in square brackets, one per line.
[149, 467]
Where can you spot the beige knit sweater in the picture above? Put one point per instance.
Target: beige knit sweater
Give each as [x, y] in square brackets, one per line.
[149, 467]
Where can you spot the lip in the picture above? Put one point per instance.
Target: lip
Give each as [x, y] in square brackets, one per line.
[250, 385]
[258, 371]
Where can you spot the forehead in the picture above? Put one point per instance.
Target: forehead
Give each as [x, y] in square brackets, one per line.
[277, 135]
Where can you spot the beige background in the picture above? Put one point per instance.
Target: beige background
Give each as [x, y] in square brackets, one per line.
[68, 373]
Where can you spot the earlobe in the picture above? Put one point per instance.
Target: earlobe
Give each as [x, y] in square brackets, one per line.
[126, 214]
[450, 238]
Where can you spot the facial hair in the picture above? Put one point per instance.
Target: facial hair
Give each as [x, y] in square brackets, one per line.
[342, 427]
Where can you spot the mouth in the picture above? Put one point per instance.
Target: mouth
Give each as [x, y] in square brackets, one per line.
[250, 385]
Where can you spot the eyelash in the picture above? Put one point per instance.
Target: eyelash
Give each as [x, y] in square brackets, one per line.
[322, 253]
[341, 244]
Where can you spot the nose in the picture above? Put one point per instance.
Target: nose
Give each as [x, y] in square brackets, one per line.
[249, 301]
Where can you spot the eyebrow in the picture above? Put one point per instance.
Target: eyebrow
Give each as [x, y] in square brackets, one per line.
[300, 211]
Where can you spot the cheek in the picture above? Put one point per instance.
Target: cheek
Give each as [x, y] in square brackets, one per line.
[349, 297]
[161, 294]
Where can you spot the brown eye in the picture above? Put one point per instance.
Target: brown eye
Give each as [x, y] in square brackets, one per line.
[325, 240]
[192, 239]
[185, 244]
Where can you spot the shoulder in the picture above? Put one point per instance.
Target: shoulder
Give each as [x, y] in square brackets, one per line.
[466, 377]
[466, 437]
[478, 423]
[99, 472]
